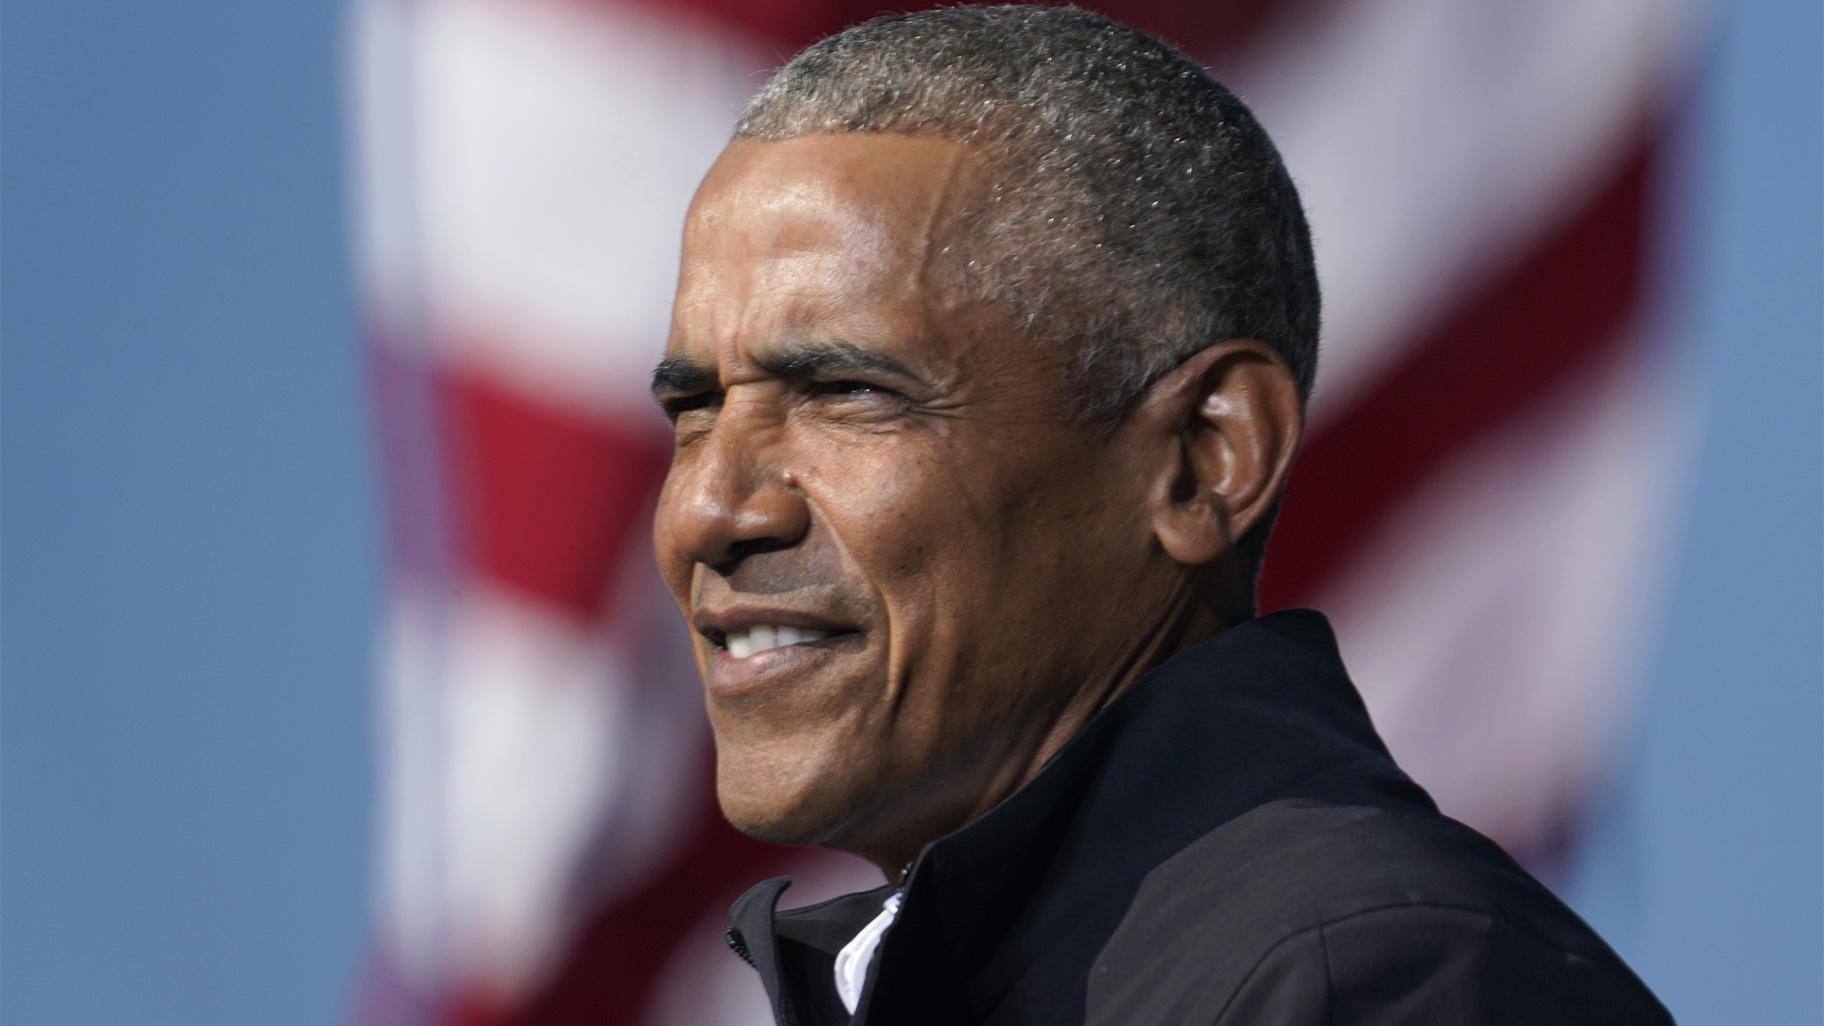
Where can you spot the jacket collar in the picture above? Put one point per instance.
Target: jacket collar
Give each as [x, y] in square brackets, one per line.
[1260, 712]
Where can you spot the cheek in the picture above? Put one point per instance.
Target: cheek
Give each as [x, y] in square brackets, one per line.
[970, 542]
[936, 532]
[899, 516]
[1036, 544]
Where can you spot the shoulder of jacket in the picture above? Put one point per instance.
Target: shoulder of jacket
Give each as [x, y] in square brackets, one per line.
[1442, 962]
[1272, 887]
[1294, 863]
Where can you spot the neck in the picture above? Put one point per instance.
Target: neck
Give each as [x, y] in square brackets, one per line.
[1190, 619]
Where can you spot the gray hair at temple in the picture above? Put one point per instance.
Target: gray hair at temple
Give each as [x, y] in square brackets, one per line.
[1135, 211]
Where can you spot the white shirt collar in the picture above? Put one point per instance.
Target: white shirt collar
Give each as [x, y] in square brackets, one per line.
[853, 960]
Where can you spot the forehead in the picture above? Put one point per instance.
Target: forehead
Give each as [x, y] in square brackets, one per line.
[785, 236]
[877, 174]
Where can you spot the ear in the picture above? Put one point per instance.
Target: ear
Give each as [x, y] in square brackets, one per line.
[1225, 425]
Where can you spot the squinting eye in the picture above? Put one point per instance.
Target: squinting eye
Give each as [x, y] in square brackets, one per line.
[677, 406]
[840, 388]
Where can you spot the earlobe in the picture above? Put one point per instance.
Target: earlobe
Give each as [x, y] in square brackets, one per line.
[1234, 420]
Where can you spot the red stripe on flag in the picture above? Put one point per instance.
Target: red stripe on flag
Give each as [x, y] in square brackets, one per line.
[549, 499]
[1570, 299]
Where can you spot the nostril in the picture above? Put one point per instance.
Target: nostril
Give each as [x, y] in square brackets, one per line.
[740, 550]
[735, 552]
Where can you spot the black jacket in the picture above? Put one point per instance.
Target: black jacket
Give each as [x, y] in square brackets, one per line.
[1228, 842]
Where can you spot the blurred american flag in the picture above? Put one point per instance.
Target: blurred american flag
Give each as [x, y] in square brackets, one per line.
[1480, 506]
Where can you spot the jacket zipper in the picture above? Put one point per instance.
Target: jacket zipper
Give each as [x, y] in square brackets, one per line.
[739, 945]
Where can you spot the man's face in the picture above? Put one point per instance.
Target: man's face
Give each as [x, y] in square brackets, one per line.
[903, 562]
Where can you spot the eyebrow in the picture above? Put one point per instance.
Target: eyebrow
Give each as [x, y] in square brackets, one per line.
[678, 375]
[795, 361]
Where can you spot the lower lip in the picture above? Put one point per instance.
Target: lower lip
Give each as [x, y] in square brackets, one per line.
[729, 676]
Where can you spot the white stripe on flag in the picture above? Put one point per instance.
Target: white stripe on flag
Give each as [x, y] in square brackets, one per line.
[518, 744]
[559, 147]
[1433, 140]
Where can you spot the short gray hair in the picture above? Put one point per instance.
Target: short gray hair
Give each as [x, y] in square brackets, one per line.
[1135, 211]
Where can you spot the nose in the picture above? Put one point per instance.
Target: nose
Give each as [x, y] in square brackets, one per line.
[728, 497]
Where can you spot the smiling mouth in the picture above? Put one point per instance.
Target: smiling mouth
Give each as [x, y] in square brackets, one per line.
[752, 641]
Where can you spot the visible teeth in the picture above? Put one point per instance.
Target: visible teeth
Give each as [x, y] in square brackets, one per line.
[763, 637]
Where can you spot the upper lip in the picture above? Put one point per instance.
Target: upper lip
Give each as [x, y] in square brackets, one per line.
[718, 624]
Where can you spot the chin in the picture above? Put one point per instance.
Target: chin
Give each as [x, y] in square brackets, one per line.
[781, 807]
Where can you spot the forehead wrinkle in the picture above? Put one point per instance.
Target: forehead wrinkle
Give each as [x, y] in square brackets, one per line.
[752, 231]
[732, 315]
[947, 200]
[925, 206]
[771, 205]
[801, 247]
